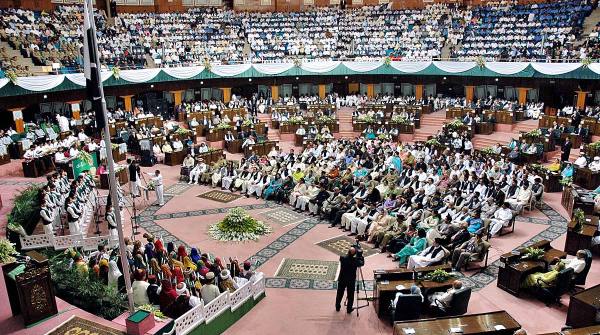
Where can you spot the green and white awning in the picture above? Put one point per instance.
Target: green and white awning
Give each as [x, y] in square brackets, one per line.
[64, 82]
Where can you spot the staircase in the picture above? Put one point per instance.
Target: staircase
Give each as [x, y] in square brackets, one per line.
[36, 70]
[345, 118]
[273, 134]
[430, 125]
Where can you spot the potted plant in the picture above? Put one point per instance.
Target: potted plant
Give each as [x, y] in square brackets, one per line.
[533, 253]
[438, 276]
[579, 219]
[7, 250]
[238, 225]
[25, 214]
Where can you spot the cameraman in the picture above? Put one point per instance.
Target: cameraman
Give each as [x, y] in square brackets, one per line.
[347, 278]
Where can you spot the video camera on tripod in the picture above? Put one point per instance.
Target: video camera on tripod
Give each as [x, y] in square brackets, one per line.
[358, 256]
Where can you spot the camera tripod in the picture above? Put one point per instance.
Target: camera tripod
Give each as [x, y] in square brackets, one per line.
[360, 279]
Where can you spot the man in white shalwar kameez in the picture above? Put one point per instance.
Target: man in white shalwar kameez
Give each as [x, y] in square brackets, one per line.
[430, 255]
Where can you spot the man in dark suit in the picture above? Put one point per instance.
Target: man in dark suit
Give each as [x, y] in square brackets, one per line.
[347, 278]
[566, 150]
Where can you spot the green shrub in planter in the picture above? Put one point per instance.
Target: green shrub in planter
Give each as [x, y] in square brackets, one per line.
[25, 214]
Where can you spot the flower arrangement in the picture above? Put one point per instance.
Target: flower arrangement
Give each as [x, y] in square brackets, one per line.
[151, 186]
[595, 145]
[438, 276]
[488, 150]
[533, 253]
[12, 76]
[480, 60]
[534, 133]
[399, 120]
[383, 136]
[158, 315]
[296, 120]
[7, 250]
[86, 157]
[116, 71]
[566, 181]
[455, 125]
[579, 218]
[247, 123]
[297, 62]
[238, 225]
[224, 126]
[325, 119]
[433, 142]
[26, 211]
[207, 65]
[387, 61]
[183, 132]
[586, 61]
[366, 118]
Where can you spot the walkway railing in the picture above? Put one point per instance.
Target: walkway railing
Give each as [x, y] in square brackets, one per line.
[209, 312]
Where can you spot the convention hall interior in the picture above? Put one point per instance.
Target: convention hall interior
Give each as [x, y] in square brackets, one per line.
[299, 167]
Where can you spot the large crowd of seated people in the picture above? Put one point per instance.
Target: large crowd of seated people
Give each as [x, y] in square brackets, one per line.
[499, 31]
[418, 202]
[174, 279]
[533, 31]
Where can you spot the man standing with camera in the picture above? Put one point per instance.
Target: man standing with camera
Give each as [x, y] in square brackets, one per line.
[347, 278]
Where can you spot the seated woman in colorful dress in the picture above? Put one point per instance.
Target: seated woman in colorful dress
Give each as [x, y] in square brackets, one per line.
[415, 246]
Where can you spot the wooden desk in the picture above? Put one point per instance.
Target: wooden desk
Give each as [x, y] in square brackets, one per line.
[473, 324]
[215, 135]
[385, 291]
[583, 239]
[512, 270]
[404, 273]
[484, 128]
[585, 176]
[298, 140]
[575, 139]
[578, 331]
[576, 197]
[122, 179]
[260, 149]
[234, 146]
[175, 158]
[583, 308]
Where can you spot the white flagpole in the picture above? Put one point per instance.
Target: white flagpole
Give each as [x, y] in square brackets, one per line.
[111, 168]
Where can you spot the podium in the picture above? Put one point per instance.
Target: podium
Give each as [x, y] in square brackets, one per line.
[29, 289]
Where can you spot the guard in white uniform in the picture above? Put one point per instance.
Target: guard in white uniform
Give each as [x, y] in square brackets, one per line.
[47, 219]
[112, 223]
[158, 183]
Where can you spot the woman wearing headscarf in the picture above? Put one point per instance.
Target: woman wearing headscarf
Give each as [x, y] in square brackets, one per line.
[181, 253]
[149, 252]
[113, 275]
[170, 247]
[202, 269]
[103, 271]
[188, 264]
[167, 295]
[195, 255]
[165, 273]
[138, 262]
[178, 274]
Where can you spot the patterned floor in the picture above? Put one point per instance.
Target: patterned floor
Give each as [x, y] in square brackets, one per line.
[77, 325]
[177, 189]
[307, 269]
[220, 196]
[339, 245]
[283, 216]
[556, 226]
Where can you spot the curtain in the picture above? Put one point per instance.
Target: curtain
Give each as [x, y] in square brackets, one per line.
[183, 72]
[40, 83]
[554, 69]
[3, 81]
[362, 66]
[410, 67]
[230, 70]
[454, 67]
[506, 68]
[79, 79]
[319, 67]
[139, 76]
[274, 68]
[430, 90]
